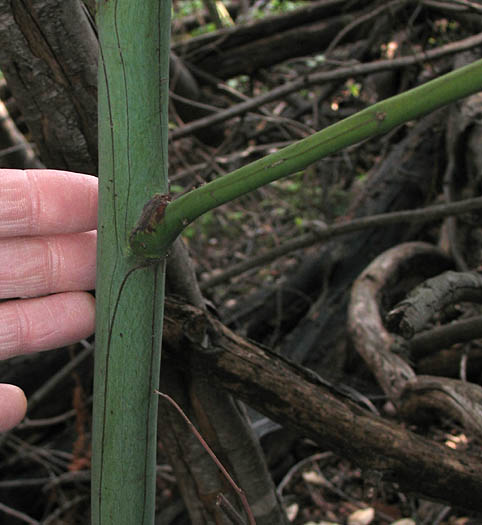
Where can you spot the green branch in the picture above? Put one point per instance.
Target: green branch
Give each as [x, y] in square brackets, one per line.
[162, 222]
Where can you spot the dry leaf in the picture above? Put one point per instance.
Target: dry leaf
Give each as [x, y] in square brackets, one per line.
[362, 516]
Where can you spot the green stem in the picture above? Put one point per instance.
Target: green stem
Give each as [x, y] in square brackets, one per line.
[164, 225]
[133, 72]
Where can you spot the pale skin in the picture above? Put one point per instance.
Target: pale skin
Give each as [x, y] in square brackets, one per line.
[48, 222]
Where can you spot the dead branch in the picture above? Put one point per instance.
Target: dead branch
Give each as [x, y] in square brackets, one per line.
[412, 314]
[371, 339]
[294, 397]
[459, 399]
[444, 336]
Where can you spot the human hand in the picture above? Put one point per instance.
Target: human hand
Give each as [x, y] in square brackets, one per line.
[47, 258]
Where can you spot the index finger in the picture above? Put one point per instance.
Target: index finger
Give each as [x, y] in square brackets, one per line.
[46, 202]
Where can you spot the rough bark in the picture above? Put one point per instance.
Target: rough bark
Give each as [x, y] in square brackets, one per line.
[48, 54]
[298, 399]
[410, 316]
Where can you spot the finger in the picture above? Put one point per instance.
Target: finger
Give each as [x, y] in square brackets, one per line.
[46, 202]
[30, 325]
[33, 266]
[13, 406]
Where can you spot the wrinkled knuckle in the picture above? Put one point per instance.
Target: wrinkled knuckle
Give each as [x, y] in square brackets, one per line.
[15, 329]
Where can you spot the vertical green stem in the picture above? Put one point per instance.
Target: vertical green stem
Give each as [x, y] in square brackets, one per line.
[133, 83]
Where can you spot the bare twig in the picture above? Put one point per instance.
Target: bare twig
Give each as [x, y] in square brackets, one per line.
[442, 514]
[326, 232]
[361, 20]
[223, 503]
[48, 421]
[194, 103]
[19, 515]
[323, 77]
[59, 376]
[455, 5]
[60, 510]
[47, 483]
[294, 469]
[208, 449]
